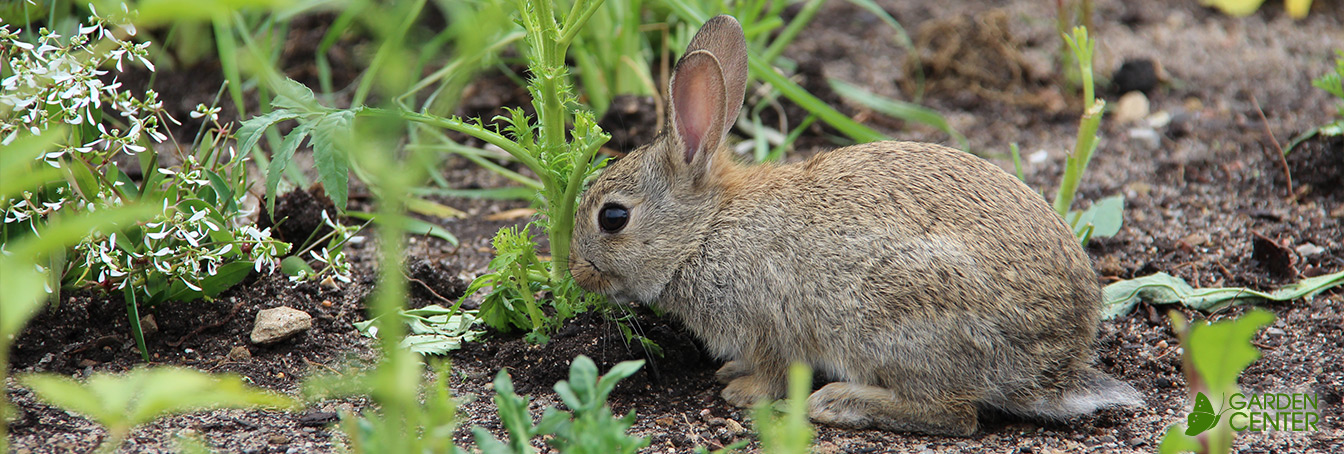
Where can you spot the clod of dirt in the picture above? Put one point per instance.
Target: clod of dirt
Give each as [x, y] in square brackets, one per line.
[434, 282]
[298, 216]
[1139, 75]
[981, 56]
[632, 122]
[1273, 255]
[277, 324]
[1317, 166]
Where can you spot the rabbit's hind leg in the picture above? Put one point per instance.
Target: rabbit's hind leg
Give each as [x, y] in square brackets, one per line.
[857, 406]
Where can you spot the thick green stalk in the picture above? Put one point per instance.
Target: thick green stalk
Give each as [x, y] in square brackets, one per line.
[1076, 164]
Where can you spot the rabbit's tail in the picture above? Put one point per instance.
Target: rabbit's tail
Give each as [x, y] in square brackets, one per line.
[1089, 390]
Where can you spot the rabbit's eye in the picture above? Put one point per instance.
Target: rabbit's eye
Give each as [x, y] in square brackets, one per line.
[612, 217]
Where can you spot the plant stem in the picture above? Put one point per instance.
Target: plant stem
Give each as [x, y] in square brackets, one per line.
[1076, 164]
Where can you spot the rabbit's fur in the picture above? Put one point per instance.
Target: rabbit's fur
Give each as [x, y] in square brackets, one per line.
[927, 282]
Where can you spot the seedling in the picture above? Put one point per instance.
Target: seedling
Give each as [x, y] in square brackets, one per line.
[1214, 355]
[122, 402]
[1104, 217]
[1333, 83]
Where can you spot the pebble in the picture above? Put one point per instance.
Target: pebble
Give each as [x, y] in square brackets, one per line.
[1146, 138]
[277, 324]
[1274, 331]
[1131, 108]
[1136, 74]
[1308, 249]
[734, 427]
[239, 353]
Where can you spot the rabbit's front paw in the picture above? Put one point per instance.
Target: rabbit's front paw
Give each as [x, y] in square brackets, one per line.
[747, 390]
[732, 370]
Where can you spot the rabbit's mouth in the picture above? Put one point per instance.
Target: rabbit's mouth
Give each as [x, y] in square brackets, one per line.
[588, 275]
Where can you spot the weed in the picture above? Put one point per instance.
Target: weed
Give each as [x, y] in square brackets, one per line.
[1332, 82]
[790, 433]
[1104, 217]
[120, 402]
[1214, 355]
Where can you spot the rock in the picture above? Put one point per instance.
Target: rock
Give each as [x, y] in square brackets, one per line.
[734, 427]
[1131, 108]
[1308, 249]
[239, 353]
[276, 324]
[1146, 138]
[148, 326]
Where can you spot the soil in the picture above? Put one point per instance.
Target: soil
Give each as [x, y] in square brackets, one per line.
[1207, 200]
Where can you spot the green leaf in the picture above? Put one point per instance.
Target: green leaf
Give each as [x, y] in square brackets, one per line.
[294, 264]
[290, 94]
[19, 168]
[414, 226]
[1177, 442]
[1162, 288]
[1105, 216]
[123, 401]
[222, 191]
[226, 276]
[1220, 351]
[280, 159]
[250, 132]
[330, 136]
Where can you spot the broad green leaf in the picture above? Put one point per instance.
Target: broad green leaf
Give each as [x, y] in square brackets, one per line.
[226, 276]
[1222, 350]
[330, 137]
[1105, 215]
[145, 394]
[1162, 288]
[294, 264]
[1175, 441]
[1238, 8]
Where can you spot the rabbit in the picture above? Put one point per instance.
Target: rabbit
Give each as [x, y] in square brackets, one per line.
[927, 283]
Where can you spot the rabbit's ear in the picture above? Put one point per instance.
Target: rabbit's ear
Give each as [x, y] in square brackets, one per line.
[722, 37]
[697, 93]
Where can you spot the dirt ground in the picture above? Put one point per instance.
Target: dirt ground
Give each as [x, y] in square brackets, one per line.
[1199, 172]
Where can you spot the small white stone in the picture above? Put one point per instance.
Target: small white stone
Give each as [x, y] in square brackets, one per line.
[276, 324]
[1146, 138]
[1131, 108]
[1308, 249]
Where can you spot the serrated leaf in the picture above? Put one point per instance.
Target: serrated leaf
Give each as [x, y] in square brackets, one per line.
[250, 132]
[290, 94]
[280, 159]
[330, 136]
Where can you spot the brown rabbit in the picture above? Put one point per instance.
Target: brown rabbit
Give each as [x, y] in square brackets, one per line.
[927, 282]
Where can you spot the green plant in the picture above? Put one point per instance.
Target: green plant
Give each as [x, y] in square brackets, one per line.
[435, 330]
[197, 246]
[588, 427]
[26, 262]
[789, 433]
[1214, 355]
[1104, 217]
[120, 402]
[1332, 82]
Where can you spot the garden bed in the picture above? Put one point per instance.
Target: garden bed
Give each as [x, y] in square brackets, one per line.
[1196, 204]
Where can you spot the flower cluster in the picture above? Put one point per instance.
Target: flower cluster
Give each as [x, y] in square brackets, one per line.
[60, 81]
[200, 241]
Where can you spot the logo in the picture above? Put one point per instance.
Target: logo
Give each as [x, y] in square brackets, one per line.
[1257, 412]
